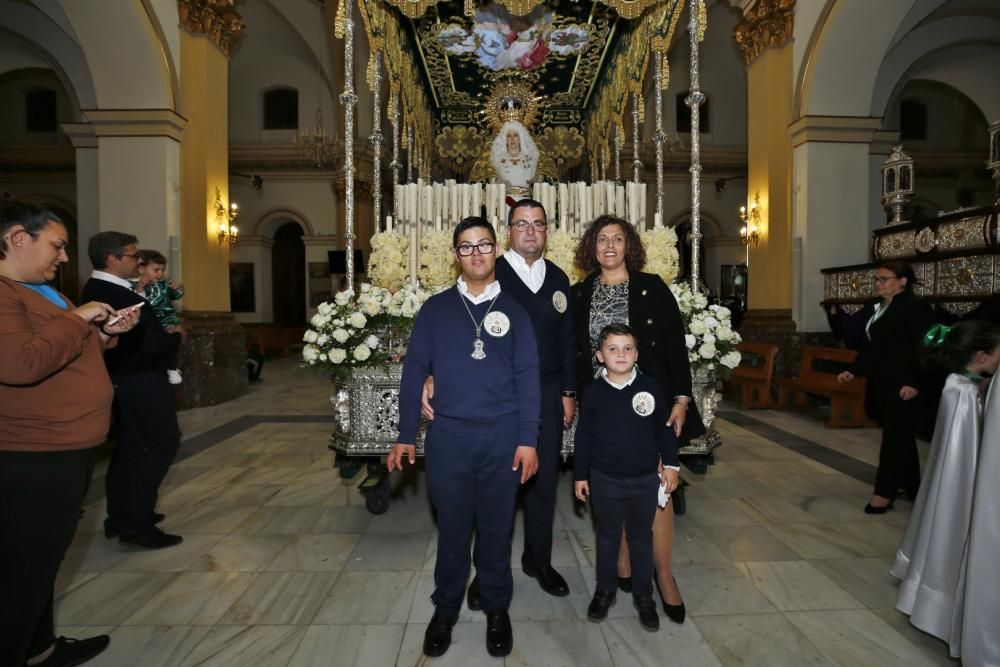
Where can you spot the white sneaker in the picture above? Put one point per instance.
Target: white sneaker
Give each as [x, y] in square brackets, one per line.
[174, 376]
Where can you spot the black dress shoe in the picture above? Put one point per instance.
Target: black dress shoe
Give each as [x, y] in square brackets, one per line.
[871, 509]
[68, 652]
[153, 539]
[648, 617]
[111, 530]
[499, 635]
[472, 597]
[597, 610]
[625, 584]
[550, 580]
[437, 639]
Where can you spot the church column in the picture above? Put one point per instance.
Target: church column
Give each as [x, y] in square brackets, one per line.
[764, 36]
[214, 355]
[88, 218]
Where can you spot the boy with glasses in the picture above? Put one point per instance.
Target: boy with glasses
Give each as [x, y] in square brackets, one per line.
[479, 345]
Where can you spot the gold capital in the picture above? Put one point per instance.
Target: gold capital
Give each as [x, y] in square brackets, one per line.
[217, 19]
[768, 23]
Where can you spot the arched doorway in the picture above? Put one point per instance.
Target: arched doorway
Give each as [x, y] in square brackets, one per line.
[288, 275]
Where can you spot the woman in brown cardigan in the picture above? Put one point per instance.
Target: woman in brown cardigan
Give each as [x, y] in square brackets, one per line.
[55, 406]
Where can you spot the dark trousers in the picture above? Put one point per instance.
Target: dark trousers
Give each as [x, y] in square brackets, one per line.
[629, 503]
[148, 438]
[540, 491]
[471, 483]
[41, 494]
[898, 462]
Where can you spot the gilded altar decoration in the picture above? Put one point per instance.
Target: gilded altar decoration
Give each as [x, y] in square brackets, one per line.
[217, 19]
[962, 234]
[628, 9]
[458, 146]
[768, 23]
[891, 246]
[966, 276]
[925, 240]
[563, 144]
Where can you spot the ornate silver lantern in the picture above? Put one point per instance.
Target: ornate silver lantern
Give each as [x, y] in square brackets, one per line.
[897, 183]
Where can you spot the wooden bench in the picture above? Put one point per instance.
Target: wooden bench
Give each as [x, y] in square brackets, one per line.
[754, 374]
[818, 377]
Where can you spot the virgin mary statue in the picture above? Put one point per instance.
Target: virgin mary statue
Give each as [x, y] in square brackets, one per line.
[514, 157]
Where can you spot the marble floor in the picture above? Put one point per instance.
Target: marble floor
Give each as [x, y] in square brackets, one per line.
[283, 565]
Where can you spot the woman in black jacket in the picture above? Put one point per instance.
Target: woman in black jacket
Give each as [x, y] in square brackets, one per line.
[889, 359]
[618, 291]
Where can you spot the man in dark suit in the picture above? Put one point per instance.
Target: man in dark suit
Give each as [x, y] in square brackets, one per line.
[144, 407]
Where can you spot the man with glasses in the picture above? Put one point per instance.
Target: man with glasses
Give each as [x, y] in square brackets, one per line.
[479, 345]
[144, 407]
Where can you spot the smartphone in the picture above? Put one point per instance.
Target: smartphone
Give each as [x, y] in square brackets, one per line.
[127, 309]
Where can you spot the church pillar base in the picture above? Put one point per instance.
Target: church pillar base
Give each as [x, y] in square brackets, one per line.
[213, 359]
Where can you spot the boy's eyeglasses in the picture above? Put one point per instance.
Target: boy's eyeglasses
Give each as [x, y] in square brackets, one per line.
[467, 249]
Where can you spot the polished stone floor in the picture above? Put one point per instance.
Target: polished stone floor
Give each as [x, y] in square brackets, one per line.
[282, 564]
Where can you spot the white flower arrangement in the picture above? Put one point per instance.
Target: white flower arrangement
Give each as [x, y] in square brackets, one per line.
[387, 265]
[710, 341]
[437, 261]
[560, 249]
[662, 257]
[356, 331]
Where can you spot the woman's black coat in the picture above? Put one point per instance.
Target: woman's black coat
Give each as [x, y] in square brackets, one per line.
[656, 319]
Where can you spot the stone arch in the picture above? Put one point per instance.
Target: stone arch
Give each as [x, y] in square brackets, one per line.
[710, 227]
[269, 223]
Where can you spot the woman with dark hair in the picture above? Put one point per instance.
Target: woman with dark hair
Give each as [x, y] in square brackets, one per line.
[889, 359]
[55, 407]
[616, 290]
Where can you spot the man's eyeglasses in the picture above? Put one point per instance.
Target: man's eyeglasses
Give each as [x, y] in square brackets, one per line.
[484, 247]
[882, 280]
[521, 225]
[136, 256]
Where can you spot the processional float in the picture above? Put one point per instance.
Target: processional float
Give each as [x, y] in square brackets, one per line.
[365, 400]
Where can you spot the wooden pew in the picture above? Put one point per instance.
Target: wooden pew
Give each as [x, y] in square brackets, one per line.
[847, 401]
[755, 379]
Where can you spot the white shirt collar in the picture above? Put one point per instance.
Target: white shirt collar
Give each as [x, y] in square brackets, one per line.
[630, 380]
[532, 275]
[491, 292]
[111, 278]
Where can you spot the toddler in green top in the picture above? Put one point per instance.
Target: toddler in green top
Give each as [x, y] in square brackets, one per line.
[160, 293]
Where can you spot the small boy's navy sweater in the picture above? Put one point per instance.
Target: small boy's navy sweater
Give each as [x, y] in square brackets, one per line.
[611, 436]
[553, 328]
[476, 392]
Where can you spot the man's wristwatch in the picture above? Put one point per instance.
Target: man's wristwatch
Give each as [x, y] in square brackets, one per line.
[569, 394]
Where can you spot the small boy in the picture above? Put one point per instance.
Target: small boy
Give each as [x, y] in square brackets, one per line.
[160, 294]
[621, 436]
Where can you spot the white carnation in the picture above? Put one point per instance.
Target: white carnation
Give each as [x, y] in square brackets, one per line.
[708, 338]
[690, 340]
[324, 308]
[724, 333]
[310, 353]
[318, 320]
[310, 336]
[707, 351]
[711, 322]
[731, 359]
[698, 328]
[372, 342]
[357, 320]
[323, 340]
[362, 352]
[340, 335]
[337, 355]
[373, 308]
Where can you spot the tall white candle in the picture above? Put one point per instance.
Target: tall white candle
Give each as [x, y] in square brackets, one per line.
[437, 223]
[413, 255]
[477, 199]
[563, 202]
[456, 214]
[642, 205]
[388, 223]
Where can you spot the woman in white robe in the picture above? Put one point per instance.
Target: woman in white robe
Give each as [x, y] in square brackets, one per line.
[930, 562]
[514, 157]
[981, 627]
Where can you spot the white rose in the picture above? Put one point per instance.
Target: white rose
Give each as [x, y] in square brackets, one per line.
[731, 359]
[322, 356]
[337, 355]
[318, 320]
[707, 351]
[357, 320]
[690, 340]
[373, 308]
[407, 310]
[708, 338]
[372, 342]
[340, 335]
[324, 308]
[322, 340]
[362, 352]
[698, 328]
[343, 298]
[310, 336]
[310, 353]
[723, 313]
[711, 322]
[724, 333]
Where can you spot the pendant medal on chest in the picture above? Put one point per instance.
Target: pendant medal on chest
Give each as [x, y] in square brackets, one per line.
[477, 350]
[478, 347]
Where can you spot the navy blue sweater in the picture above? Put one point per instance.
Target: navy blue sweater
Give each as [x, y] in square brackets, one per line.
[476, 392]
[614, 438]
[553, 329]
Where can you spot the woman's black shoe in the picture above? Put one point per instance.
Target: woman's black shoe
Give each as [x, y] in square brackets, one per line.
[871, 509]
[625, 584]
[69, 652]
[675, 612]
